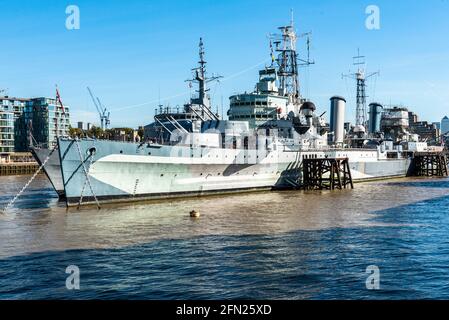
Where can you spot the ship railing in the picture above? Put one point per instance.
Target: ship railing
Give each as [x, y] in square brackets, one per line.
[305, 149]
[169, 110]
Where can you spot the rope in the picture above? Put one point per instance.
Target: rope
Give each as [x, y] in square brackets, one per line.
[10, 203]
[86, 174]
[181, 94]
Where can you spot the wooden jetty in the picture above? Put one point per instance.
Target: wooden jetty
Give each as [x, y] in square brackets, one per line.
[430, 164]
[15, 164]
[326, 174]
[17, 169]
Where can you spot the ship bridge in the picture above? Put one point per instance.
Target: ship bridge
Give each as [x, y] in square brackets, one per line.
[261, 106]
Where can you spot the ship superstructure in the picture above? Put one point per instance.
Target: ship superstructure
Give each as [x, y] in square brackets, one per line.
[169, 119]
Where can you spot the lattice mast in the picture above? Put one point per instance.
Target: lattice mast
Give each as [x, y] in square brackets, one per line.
[361, 77]
[288, 61]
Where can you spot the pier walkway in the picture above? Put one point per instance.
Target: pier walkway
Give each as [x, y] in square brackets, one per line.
[14, 164]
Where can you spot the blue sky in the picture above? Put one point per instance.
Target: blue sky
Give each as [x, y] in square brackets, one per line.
[130, 52]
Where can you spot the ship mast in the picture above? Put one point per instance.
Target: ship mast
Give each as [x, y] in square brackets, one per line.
[287, 61]
[285, 43]
[360, 76]
[202, 80]
[201, 74]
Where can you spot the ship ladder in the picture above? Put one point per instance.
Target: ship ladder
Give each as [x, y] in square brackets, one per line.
[17, 196]
[86, 174]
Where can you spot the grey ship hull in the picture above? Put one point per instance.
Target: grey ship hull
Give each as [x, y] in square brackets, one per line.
[127, 172]
[52, 169]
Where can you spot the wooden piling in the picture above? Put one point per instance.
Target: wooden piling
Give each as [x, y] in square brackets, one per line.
[327, 174]
[430, 164]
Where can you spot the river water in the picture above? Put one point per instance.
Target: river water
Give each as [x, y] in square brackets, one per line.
[268, 245]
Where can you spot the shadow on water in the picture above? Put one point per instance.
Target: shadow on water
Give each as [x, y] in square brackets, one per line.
[33, 199]
[412, 255]
[424, 183]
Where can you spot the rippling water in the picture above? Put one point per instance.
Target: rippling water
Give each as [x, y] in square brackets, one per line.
[279, 245]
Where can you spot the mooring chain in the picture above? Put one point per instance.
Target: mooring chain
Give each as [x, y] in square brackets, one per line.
[87, 181]
[86, 174]
[9, 205]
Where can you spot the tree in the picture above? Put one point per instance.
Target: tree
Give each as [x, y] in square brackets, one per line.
[141, 133]
[96, 132]
[76, 132]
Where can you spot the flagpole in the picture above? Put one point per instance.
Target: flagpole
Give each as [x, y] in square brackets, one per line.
[56, 110]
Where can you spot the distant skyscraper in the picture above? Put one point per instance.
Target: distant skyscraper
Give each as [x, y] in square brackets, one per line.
[445, 125]
[80, 125]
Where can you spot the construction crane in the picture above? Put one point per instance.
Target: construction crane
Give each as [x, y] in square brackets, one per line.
[102, 111]
[105, 115]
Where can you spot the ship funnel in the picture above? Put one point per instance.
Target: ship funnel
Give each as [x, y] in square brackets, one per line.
[375, 113]
[337, 121]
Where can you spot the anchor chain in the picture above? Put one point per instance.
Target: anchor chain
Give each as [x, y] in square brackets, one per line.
[10, 203]
[86, 174]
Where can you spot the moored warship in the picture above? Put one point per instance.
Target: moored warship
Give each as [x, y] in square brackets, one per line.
[262, 145]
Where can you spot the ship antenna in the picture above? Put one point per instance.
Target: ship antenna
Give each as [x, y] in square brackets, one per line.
[273, 58]
[202, 80]
[201, 75]
[202, 61]
[292, 20]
